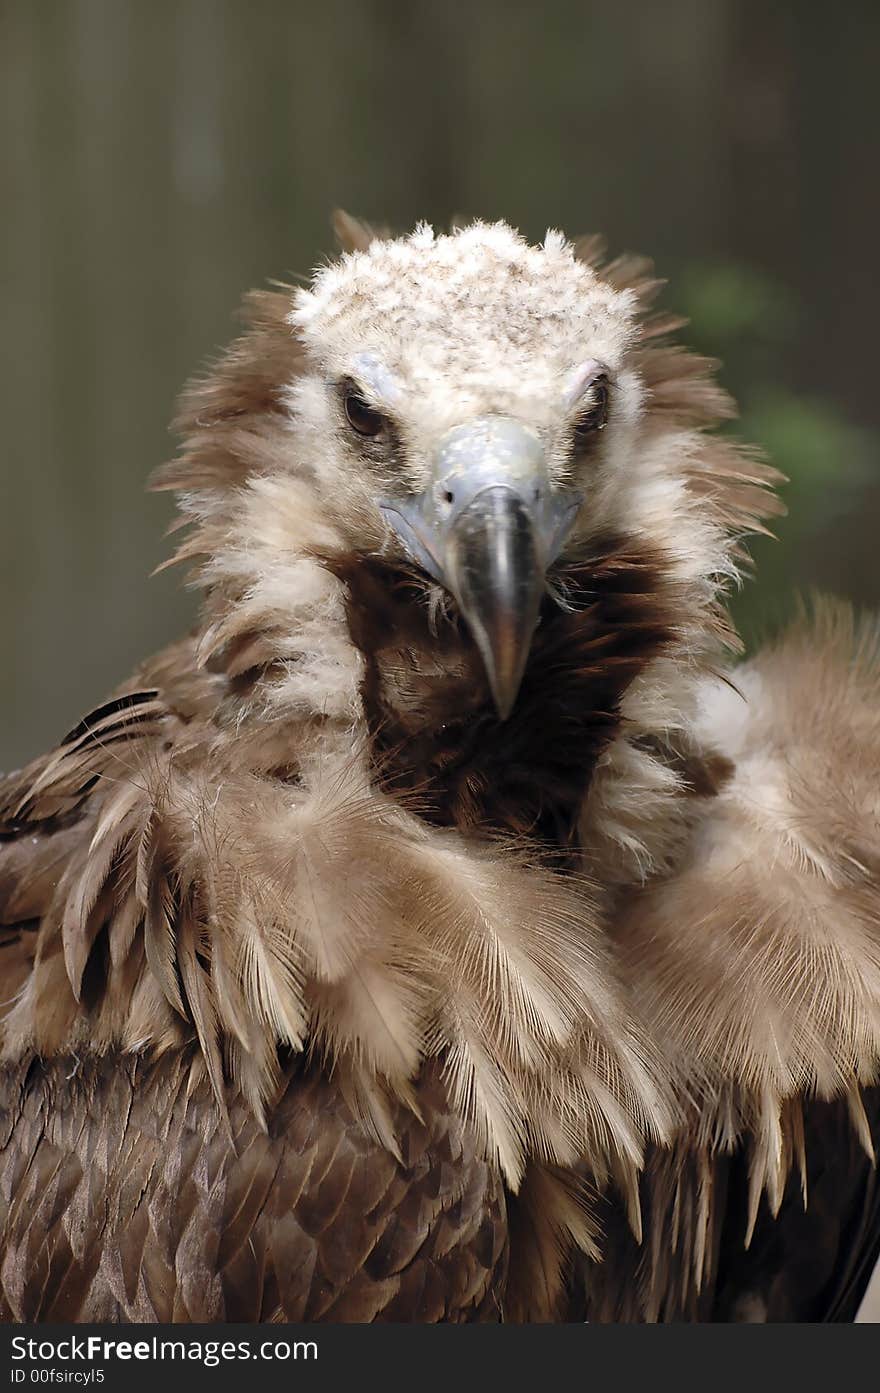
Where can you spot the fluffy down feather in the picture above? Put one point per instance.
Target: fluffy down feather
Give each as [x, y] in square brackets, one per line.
[296, 876]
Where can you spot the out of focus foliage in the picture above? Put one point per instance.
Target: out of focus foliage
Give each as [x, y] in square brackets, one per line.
[751, 323]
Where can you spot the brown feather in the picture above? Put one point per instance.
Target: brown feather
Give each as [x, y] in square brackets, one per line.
[316, 965]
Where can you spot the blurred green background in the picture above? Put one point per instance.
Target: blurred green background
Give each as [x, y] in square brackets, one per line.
[161, 156]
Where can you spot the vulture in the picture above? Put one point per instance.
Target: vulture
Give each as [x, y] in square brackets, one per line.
[452, 928]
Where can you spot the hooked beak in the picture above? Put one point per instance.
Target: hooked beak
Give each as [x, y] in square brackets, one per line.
[487, 528]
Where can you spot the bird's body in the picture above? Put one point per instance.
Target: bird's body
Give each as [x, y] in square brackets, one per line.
[445, 931]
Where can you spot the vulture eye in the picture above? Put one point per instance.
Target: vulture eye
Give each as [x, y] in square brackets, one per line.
[595, 417]
[361, 416]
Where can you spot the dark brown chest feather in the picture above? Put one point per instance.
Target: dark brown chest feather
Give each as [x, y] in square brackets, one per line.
[435, 732]
[125, 1197]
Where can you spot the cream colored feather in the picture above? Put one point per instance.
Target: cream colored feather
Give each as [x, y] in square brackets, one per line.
[712, 955]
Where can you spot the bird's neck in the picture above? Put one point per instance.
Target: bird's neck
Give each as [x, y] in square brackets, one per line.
[435, 739]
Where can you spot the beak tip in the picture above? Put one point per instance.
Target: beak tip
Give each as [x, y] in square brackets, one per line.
[505, 691]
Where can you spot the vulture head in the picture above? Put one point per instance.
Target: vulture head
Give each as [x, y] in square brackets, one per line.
[470, 403]
[496, 451]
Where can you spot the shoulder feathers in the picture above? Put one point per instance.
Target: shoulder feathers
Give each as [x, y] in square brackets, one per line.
[644, 911]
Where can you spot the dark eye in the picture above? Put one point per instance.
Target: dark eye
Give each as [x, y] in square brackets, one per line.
[361, 416]
[595, 416]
